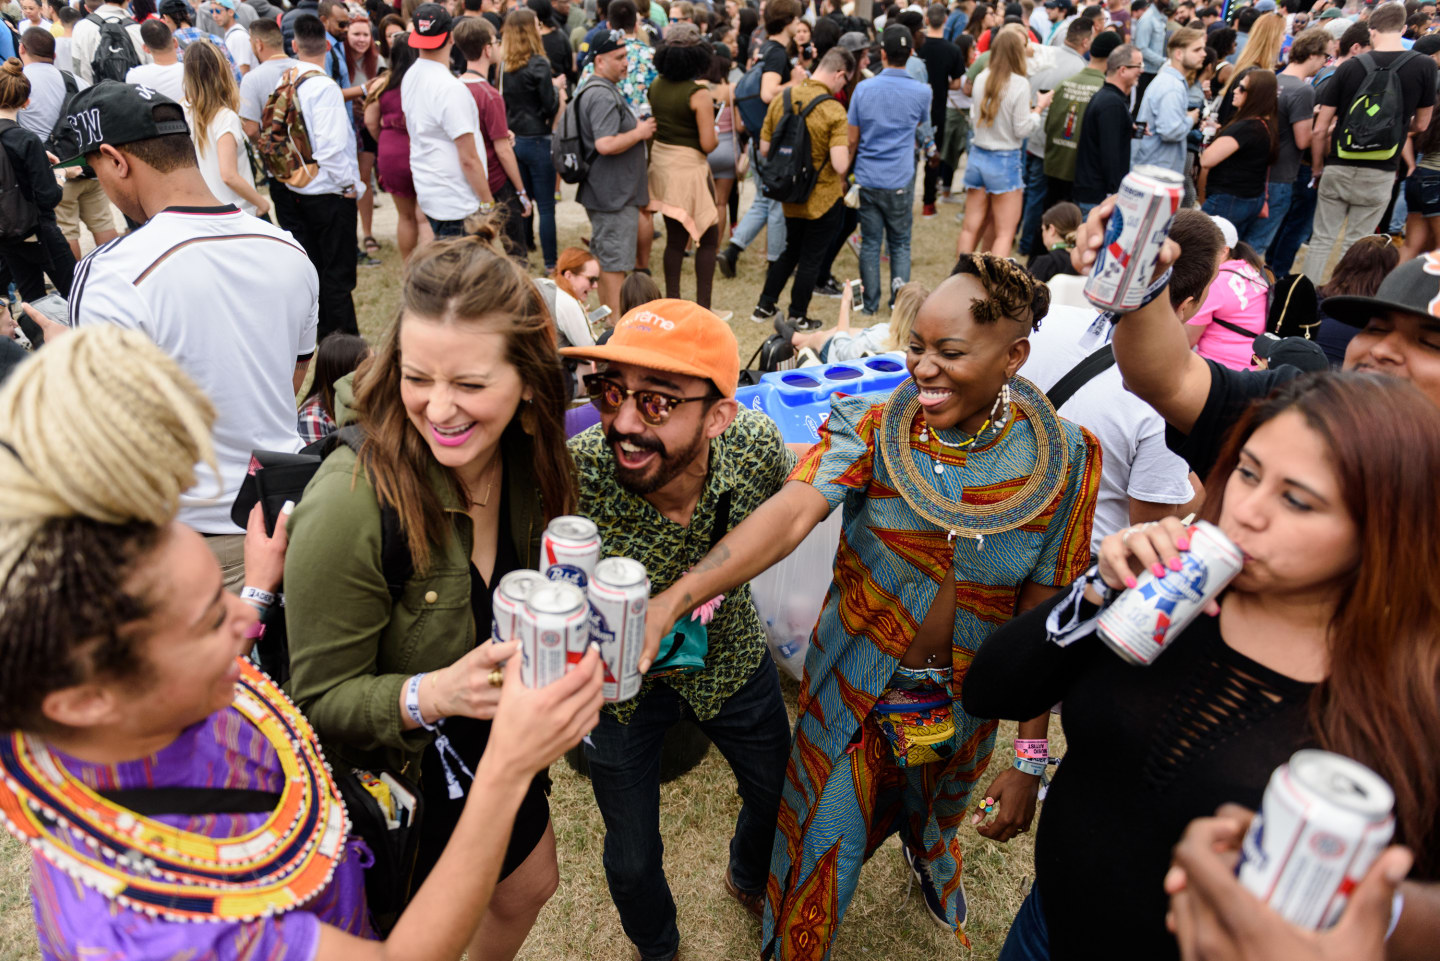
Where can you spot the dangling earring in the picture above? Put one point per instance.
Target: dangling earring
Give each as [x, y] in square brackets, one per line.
[1000, 411]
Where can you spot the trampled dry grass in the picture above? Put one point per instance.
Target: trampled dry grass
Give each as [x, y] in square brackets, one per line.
[886, 920]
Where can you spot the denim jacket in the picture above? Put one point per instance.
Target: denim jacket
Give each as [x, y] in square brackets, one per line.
[1163, 112]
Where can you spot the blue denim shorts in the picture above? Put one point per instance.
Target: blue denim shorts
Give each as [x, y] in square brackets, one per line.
[1422, 192]
[995, 171]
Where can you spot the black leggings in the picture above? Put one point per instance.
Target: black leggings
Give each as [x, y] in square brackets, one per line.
[676, 237]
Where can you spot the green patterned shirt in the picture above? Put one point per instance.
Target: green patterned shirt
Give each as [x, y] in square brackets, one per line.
[749, 460]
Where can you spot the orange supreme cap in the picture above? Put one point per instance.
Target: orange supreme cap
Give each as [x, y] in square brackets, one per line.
[676, 336]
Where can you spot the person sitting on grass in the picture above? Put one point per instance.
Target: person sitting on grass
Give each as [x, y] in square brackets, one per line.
[126, 689]
[1057, 231]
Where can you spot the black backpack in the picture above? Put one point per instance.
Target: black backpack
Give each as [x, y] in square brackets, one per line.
[1373, 126]
[115, 53]
[568, 150]
[788, 174]
[63, 141]
[18, 213]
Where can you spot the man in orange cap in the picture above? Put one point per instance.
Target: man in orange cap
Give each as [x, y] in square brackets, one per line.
[673, 464]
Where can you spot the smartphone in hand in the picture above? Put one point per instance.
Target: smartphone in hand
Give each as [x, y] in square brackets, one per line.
[54, 307]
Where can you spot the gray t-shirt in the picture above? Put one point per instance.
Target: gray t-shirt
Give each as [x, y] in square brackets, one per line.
[257, 86]
[47, 95]
[618, 180]
[1296, 104]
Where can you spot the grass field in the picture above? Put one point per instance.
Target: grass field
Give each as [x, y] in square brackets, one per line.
[886, 920]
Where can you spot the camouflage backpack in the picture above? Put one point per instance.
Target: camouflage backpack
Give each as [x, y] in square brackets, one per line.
[284, 143]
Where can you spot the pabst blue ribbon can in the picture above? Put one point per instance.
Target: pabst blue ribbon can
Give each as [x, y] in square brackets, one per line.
[554, 632]
[1145, 618]
[569, 550]
[1125, 264]
[619, 594]
[509, 601]
[1323, 822]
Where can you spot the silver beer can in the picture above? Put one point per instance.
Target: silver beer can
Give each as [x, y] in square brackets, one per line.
[1125, 264]
[1323, 822]
[569, 550]
[509, 600]
[554, 632]
[619, 595]
[1145, 618]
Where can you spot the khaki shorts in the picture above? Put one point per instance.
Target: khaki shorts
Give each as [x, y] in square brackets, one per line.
[84, 200]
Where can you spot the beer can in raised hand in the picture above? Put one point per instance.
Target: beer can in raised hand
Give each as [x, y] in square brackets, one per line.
[1145, 618]
[570, 549]
[1323, 822]
[1125, 263]
[554, 632]
[509, 601]
[619, 594]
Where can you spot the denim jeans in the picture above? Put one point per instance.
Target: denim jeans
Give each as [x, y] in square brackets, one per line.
[446, 228]
[1240, 211]
[891, 212]
[1263, 230]
[1037, 189]
[1029, 938]
[764, 214]
[1295, 228]
[752, 731]
[537, 172]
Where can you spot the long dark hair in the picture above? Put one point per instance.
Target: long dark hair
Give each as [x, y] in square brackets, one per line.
[1380, 703]
[1261, 103]
[470, 282]
[402, 58]
[337, 356]
[976, 24]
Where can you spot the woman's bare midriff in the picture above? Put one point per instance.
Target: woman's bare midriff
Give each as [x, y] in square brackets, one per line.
[936, 634]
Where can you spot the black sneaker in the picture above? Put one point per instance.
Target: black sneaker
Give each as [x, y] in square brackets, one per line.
[829, 289]
[764, 314]
[933, 905]
[727, 259]
[806, 323]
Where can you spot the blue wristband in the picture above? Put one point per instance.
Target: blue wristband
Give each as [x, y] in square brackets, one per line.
[1026, 765]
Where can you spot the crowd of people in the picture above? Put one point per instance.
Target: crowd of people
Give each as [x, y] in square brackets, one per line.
[1040, 456]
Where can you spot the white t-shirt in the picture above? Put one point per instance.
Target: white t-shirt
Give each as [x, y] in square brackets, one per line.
[237, 41]
[235, 313]
[166, 78]
[257, 86]
[438, 109]
[225, 121]
[1135, 463]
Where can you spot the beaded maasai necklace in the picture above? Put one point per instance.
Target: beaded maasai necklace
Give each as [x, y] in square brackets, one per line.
[163, 871]
[897, 419]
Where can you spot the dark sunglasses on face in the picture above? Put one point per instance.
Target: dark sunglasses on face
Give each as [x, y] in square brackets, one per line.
[653, 407]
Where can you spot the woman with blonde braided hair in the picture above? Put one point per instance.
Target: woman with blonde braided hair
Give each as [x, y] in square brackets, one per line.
[966, 500]
[142, 757]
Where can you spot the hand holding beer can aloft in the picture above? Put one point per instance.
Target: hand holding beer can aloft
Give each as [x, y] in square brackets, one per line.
[1090, 238]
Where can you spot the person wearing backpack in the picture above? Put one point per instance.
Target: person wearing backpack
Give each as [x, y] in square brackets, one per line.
[112, 24]
[806, 127]
[30, 242]
[1375, 101]
[48, 85]
[615, 186]
[754, 93]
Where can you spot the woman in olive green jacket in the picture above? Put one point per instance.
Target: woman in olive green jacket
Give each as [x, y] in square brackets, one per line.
[463, 411]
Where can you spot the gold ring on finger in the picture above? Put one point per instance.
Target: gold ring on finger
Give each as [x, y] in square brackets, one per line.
[497, 677]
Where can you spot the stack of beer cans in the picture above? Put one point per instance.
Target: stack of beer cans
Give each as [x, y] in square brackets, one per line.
[574, 600]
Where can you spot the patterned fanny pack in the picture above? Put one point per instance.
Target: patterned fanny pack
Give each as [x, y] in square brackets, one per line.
[920, 725]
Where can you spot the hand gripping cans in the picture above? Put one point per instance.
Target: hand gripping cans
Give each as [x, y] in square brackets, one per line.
[1142, 620]
[1125, 264]
[554, 629]
[619, 595]
[1323, 822]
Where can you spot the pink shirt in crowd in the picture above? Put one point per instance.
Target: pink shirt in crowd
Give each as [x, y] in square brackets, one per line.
[1239, 296]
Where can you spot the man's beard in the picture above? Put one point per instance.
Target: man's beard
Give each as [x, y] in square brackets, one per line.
[655, 475]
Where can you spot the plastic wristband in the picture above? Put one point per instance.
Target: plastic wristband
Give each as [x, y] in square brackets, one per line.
[257, 597]
[1036, 749]
[412, 701]
[1151, 292]
[1031, 767]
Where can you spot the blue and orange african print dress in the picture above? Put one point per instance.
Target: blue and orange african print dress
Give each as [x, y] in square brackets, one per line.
[842, 799]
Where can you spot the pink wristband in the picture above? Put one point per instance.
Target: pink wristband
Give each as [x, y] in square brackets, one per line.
[1037, 749]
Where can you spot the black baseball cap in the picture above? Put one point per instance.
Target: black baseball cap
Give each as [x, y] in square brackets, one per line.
[118, 113]
[1293, 351]
[606, 41]
[431, 27]
[177, 10]
[1059, 5]
[1412, 288]
[897, 41]
[1428, 45]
